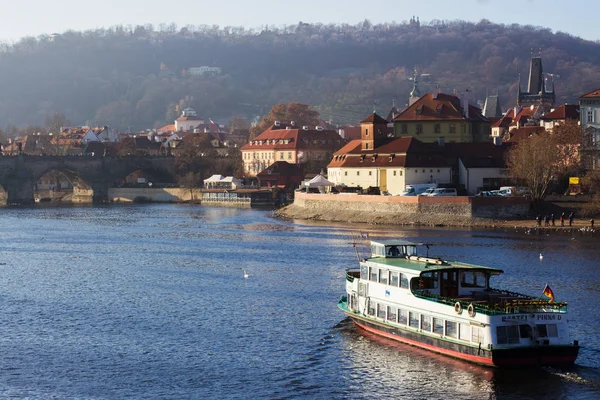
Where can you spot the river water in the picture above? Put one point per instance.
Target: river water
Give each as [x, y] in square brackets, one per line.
[150, 301]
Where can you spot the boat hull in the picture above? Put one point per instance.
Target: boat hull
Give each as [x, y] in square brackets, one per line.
[513, 357]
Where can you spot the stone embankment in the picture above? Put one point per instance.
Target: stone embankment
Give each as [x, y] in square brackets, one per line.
[495, 213]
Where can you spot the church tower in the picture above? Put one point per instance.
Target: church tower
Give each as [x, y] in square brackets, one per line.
[373, 132]
[537, 93]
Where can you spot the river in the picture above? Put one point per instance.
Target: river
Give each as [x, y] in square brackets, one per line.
[150, 301]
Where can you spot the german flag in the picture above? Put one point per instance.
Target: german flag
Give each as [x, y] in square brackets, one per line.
[548, 293]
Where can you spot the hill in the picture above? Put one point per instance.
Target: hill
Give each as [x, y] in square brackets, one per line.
[136, 78]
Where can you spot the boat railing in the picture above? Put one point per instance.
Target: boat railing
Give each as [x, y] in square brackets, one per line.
[351, 274]
[512, 303]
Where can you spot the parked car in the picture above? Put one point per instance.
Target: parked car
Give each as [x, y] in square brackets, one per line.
[443, 192]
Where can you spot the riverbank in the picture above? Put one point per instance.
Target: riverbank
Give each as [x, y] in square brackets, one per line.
[526, 225]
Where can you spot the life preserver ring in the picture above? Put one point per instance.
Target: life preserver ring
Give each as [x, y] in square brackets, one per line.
[458, 307]
[471, 310]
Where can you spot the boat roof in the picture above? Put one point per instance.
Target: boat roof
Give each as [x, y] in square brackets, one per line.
[422, 264]
[396, 242]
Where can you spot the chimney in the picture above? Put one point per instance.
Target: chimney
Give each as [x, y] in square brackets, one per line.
[465, 105]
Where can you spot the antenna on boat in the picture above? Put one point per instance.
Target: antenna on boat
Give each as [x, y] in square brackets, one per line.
[361, 235]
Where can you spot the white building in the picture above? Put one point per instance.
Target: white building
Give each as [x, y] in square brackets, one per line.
[188, 120]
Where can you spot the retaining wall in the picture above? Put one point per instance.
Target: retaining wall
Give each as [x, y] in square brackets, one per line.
[460, 206]
[154, 195]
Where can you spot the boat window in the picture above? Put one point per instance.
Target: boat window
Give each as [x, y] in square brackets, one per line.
[402, 316]
[552, 330]
[373, 274]
[413, 319]
[364, 272]
[383, 276]
[477, 334]
[403, 281]
[409, 250]
[473, 279]
[371, 308]
[464, 332]
[451, 329]
[507, 334]
[428, 280]
[525, 331]
[426, 323]
[394, 280]
[362, 289]
[391, 314]
[438, 325]
[541, 331]
[381, 310]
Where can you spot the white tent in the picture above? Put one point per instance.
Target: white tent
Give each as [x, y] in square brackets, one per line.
[213, 181]
[319, 181]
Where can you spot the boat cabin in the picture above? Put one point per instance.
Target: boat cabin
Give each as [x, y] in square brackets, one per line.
[394, 248]
[427, 274]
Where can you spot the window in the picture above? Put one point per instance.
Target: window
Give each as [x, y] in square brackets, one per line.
[452, 128]
[371, 308]
[383, 276]
[507, 334]
[541, 331]
[413, 319]
[404, 128]
[370, 173]
[402, 317]
[451, 329]
[419, 128]
[428, 280]
[463, 128]
[381, 310]
[552, 330]
[357, 173]
[394, 173]
[426, 323]
[590, 116]
[437, 128]
[281, 155]
[400, 173]
[477, 334]
[374, 273]
[367, 146]
[391, 314]
[464, 332]
[367, 132]
[403, 281]
[394, 281]
[475, 279]
[438, 326]
[345, 173]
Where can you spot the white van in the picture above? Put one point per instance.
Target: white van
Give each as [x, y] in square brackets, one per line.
[444, 192]
[417, 189]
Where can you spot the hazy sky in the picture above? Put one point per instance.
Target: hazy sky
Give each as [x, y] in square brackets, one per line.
[35, 17]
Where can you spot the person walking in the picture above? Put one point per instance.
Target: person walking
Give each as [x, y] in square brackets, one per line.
[546, 220]
[592, 222]
[552, 219]
[571, 219]
[562, 219]
[537, 221]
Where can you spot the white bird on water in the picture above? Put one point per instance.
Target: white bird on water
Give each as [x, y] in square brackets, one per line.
[541, 257]
[245, 275]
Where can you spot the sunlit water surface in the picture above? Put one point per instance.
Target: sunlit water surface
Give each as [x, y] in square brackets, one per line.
[151, 302]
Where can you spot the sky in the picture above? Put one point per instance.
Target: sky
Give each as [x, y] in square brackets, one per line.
[37, 17]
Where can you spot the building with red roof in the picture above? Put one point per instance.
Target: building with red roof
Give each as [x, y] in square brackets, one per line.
[443, 117]
[560, 115]
[284, 141]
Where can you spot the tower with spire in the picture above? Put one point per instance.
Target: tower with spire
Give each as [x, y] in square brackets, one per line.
[537, 88]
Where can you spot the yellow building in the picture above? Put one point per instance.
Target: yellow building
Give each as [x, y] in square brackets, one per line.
[442, 118]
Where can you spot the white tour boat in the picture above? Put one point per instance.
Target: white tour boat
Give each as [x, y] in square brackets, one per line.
[450, 308]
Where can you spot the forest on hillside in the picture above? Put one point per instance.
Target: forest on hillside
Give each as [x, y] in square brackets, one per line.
[134, 78]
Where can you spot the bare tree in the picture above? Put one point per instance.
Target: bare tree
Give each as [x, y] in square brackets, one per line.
[534, 163]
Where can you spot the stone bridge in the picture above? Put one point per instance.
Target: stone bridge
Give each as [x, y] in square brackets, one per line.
[91, 176]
